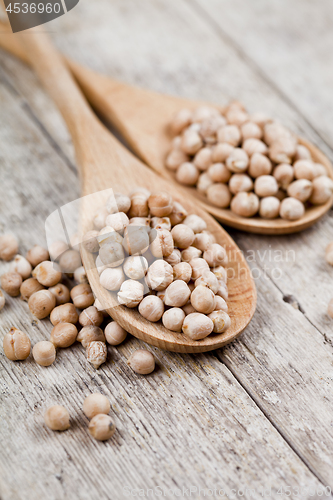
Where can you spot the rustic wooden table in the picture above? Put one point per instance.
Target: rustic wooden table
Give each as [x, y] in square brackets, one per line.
[257, 415]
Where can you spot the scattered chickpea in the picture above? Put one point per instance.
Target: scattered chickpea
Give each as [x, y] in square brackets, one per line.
[65, 313]
[16, 345]
[197, 326]
[57, 418]
[44, 353]
[114, 333]
[96, 404]
[269, 207]
[142, 362]
[8, 247]
[57, 248]
[245, 204]
[291, 209]
[47, 273]
[82, 296]
[41, 303]
[90, 316]
[131, 293]
[29, 287]
[300, 189]
[101, 427]
[11, 283]
[21, 265]
[96, 353]
[151, 308]
[61, 293]
[63, 335]
[89, 334]
[219, 195]
[221, 321]
[36, 255]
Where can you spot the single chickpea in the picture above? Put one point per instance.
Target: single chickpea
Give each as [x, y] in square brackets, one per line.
[61, 293]
[80, 275]
[216, 255]
[21, 265]
[65, 313]
[8, 247]
[219, 195]
[57, 418]
[160, 223]
[238, 161]
[173, 319]
[300, 189]
[131, 293]
[41, 303]
[220, 273]
[101, 427]
[139, 205]
[220, 304]
[96, 404]
[259, 165]
[29, 287]
[111, 279]
[204, 181]
[221, 321]
[252, 146]
[229, 134]
[202, 241]
[203, 159]
[161, 243]
[36, 255]
[47, 273]
[203, 299]
[159, 275]
[175, 158]
[191, 142]
[181, 120]
[114, 333]
[160, 204]
[187, 174]
[203, 113]
[320, 169]
[250, 130]
[221, 152]
[178, 213]
[196, 223]
[218, 172]
[197, 326]
[118, 221]
[44, 353]
[188, 308]
[142, 362]
[135, 267]
[265, 185]
[199, 266]
[209, 280]
[245, 204]
[291, 209]
[174, 258]
[16, 345]
[136, 240]
[118, 202]
[140, 221]
[302, 153]
[96, 353]
[82, 295]
[90, 316]
[322, 189]
[239, 183]
[100, 217]
[110, 243]
[57, 248]
[182, 271]
[69, 261]
[2, 300]
[305, 169]
[274, 131]
[182, 235]
[223, 290]
[236, 117]
[284, 175]
[11, 283]
[151, 308]
[90, 242]
[190, 253]
[269, 207]
[63, 335]
[89, 334]
[283, 150]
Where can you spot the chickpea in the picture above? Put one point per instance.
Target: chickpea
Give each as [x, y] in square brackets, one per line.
[16, 345]
[229, 134]
[221, 152]
[130, 293]
[47, 273]
[118, 202]
[203, 299]
[96, 353]
[111, 279]
[140, 221]
[82, 295]
[187, 174]
[161, 243]
[245, 204]
[65, 313]
[178, 213]
[61, 293]
[63, 335]
[142, 362]
[305, 169]
[188, 308]
[160, 204]
[260, 119]
[29, 287]
[108, 235]
[69, 261]
[101, 427]
[22, 266]
[44, 352]
[114, 333]
[160, 223]
[330, 308]
[2, 300]
[177, 294]
[265, 185]
[220, 304]
[89, 334]
[112, 254]
[320, 169]
[181, 120]
[11, 283]
[239, 183]
[118, 221]
[191, 142]
[90, 316]
[183, 235]
[252, 146]
[236, 116]
[284, 175]
[159, 275]
[199, 266]
[238, 160]
[322, 189]
[36, 255]
[291, 209]
[139, 205]
[202, 241]
[269, 207]
[221, 321]
[282, 150]
[203, 113]
[190, 253]
[223, 290]
[100, 218]
[302, 153]
[90, 242]
[220, 273]
[216, 255]
[80, 275]
[209, 280]
[196, 223]
[135, 267]
[197, 326]
[182, 271]
[151, 308]
[57, 248]
[175, 158]
[57, 418]
[203, 158]
[274, 131]
[219, 195]
[173, 319]
[218, 172]
[259, 165]
[300, 189]
[41, 303]
[250, 130]
[204, 181]
[8, 247]
[96, 404]
[174, 258]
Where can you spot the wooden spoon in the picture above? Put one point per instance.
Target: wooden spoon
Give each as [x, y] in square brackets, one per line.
[142, 117]
[104, 163]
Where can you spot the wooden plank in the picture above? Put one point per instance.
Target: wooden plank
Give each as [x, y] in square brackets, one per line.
[190, 424]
